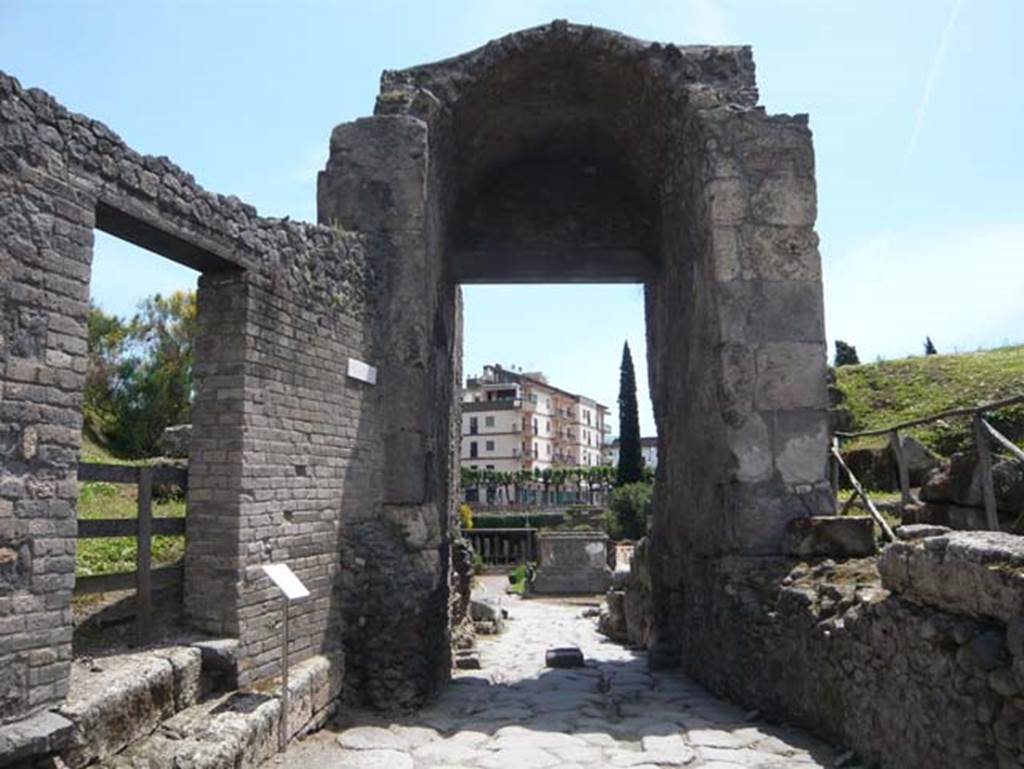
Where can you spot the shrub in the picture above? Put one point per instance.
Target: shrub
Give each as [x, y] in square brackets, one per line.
[630, 506]
[465, 516]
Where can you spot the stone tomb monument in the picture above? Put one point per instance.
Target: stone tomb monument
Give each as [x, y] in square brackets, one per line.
[572, 562]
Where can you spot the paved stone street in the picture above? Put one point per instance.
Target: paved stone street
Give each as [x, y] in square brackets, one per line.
[517, 714]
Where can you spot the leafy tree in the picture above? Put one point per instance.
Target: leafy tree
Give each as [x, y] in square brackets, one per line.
[846, 354]
[139, 374]
[106, 335]
[631, 462]
[929, 346]
[630, 506]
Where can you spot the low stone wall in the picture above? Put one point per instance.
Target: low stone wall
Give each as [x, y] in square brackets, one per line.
[919, 665]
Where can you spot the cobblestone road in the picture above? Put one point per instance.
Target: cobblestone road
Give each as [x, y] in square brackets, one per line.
[517, 714]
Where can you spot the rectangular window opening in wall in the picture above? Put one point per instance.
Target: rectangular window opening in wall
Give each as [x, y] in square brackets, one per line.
[490, 446]
[144, 348]
[488, 421]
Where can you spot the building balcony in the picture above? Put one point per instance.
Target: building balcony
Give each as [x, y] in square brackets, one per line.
[499, 404]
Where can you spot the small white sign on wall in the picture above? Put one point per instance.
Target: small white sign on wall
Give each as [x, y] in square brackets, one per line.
[364, 372]
[286, 580]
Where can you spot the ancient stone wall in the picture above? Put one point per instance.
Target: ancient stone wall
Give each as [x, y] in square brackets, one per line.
[736, 351]
[285, 448]
[672, 175]
[922, 667]
[714, 210]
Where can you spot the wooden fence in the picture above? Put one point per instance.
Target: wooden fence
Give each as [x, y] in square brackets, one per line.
[143, 528]
[984, 434]
[503, 547]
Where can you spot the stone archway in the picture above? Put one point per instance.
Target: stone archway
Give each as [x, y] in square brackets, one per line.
[568, 153]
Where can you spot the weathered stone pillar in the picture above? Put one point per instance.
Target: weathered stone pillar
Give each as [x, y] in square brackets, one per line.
[738, 362]
[770, 361]
[214, 560]
[376, 182]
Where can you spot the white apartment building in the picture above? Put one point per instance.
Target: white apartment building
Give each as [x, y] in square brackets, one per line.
[518, 421]
[648, 449]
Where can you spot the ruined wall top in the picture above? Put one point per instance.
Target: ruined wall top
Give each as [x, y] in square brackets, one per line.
[722, 73]
[156, 204]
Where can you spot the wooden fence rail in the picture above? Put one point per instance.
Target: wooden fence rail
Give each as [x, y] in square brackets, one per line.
[984, 433]
[143, 528]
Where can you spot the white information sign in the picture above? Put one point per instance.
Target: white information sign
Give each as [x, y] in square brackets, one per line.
[286, 580]
[364, 372]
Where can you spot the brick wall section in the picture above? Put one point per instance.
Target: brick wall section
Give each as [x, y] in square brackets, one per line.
[285, 444]
[45, 253]
[310, 467]
[214, 557]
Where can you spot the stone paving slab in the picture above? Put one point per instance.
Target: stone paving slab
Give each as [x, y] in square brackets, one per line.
[516, 713]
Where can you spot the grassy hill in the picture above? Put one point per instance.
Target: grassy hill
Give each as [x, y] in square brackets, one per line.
[884, 393]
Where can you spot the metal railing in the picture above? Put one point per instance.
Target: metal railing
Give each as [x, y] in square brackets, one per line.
[502, 547]
[143, 528]
[984, 434]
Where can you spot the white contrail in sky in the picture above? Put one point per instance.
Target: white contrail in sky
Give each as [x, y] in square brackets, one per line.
[933, 74]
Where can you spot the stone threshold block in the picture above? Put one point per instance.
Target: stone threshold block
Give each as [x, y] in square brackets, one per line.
[116, 700]
[564, 657]
[833, 536]
[975, 573]
[43, 734]
[238, 729]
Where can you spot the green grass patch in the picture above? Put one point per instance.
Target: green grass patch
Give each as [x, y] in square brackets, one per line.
[117, 554]
[885, 393]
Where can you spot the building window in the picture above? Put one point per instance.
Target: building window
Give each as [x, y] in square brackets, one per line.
[474, 425]
[547, 427]
[536, 453]
[488, 421]
[549, 449]
[535, 427]
[473, 453]
[489, 445]
[490, 467]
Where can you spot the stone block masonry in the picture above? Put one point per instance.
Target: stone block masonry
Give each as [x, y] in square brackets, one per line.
[921, 667]
[666, 171]
[286, 449]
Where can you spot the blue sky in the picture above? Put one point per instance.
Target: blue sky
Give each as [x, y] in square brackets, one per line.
[915, 107]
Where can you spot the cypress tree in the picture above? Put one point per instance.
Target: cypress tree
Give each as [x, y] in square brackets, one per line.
[631, 462]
